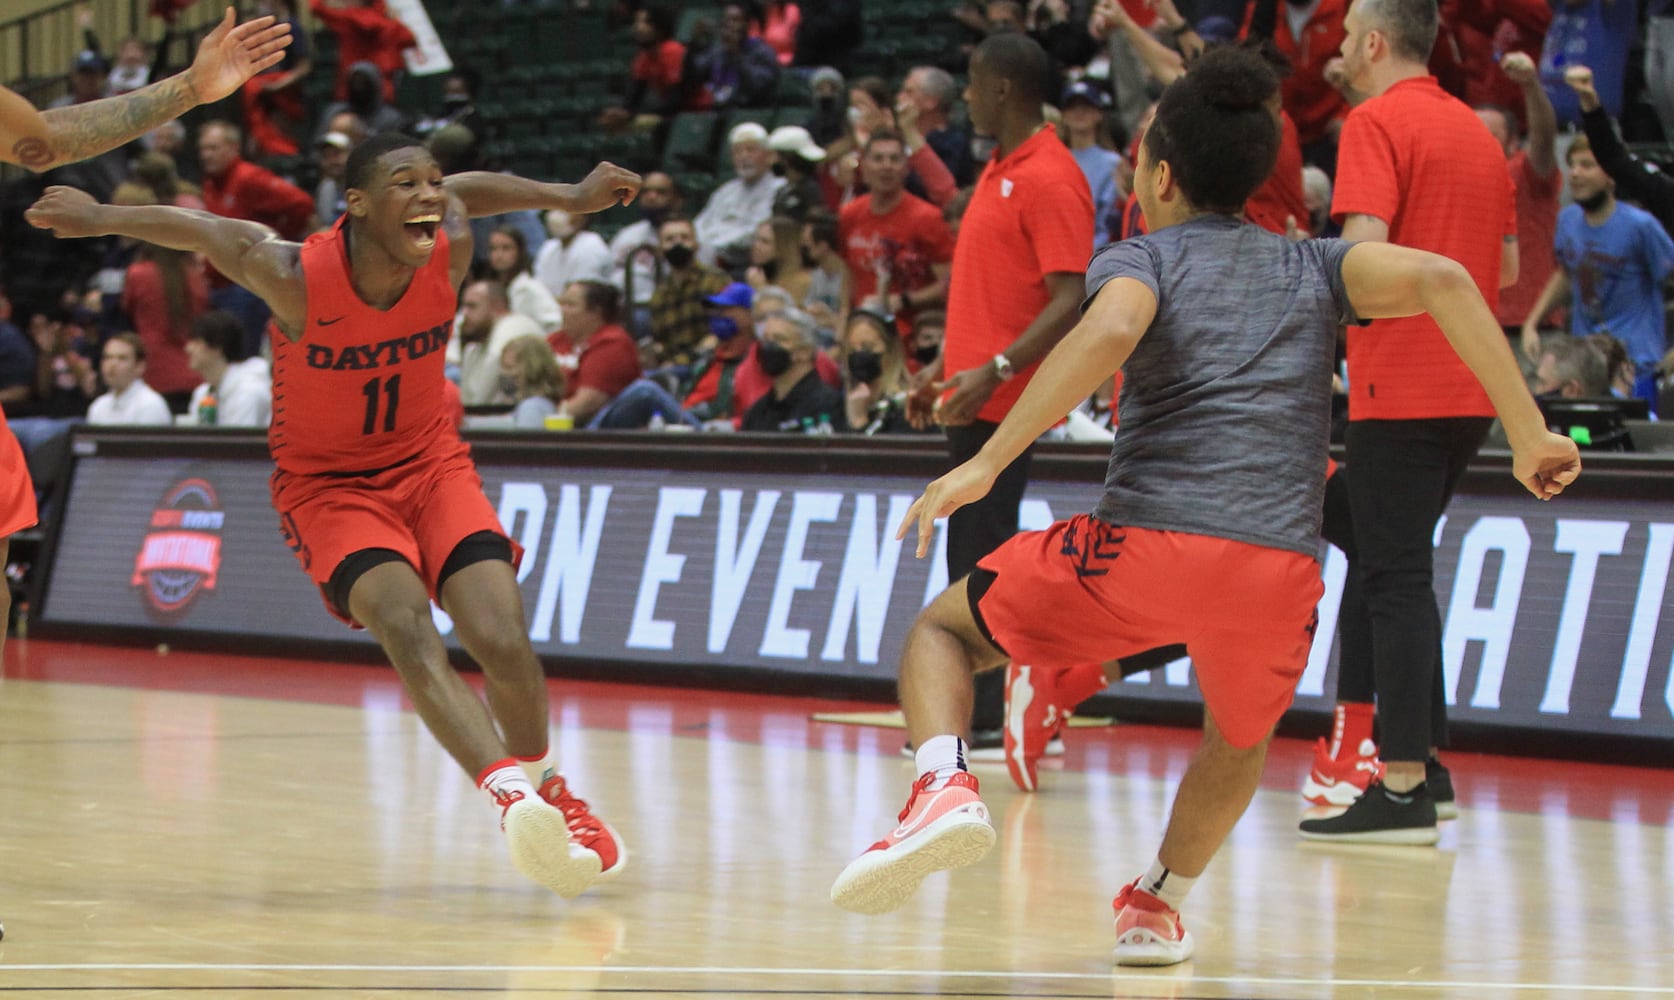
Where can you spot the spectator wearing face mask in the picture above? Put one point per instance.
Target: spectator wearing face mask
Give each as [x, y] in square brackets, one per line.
[679, 323]
[531, 381]
[874, 376]
[634, 250]
[798, 399]
[798, 158]
[571, 253]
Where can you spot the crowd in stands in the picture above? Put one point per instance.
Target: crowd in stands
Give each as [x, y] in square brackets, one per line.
[804, 292]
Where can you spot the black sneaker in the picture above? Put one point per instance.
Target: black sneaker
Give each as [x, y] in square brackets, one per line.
[1380, 816]
[1440, 782]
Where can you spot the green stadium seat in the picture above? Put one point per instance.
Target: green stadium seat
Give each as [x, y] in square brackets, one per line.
[691, 142]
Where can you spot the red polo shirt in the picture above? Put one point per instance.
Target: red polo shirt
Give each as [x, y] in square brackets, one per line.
[609, 362]
[1031, 215]
[1421, 160]
[1281, 197]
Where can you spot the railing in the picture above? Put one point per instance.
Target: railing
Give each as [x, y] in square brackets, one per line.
[36, 50]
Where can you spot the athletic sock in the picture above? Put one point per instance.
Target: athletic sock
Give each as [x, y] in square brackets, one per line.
[1079, 683]
[505, 777]
[1170, 887]
[538, 768]
[943, 756]
[1352, 726]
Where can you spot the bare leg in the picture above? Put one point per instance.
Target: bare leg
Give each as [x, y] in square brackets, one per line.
[487, 611]
[1214, 793]
[943, 650]
[393, 604]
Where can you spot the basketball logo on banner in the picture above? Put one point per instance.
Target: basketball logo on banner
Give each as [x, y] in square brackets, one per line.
[181, 556]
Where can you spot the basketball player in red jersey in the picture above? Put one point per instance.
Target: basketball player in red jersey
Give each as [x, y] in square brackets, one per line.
[375, 491]
[41, 140]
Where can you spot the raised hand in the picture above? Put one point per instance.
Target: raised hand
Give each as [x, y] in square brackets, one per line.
[1520, 69]
[1580, 80]
[233, 53]
[69, 212]
[607, 185]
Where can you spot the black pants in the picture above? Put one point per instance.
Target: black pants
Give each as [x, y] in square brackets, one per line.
[977, 529]
[1382, 512]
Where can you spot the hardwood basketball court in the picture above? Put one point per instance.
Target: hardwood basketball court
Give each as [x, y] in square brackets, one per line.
[221, 827]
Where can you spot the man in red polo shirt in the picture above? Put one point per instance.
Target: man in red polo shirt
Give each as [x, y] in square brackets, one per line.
[1415, 167]
[1017, 284]
[609, 358]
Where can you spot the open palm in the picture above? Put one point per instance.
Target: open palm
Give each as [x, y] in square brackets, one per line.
[233, 53]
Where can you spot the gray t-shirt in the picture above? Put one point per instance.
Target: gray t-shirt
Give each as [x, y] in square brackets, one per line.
[1226, 402]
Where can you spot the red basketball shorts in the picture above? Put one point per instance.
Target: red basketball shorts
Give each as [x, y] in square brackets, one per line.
[17, 490]
[1084, 591]
[421, 509]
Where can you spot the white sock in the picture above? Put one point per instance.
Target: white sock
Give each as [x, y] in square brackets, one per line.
[504, 777]
[1170, 887]
[538, 769]
[943, 756]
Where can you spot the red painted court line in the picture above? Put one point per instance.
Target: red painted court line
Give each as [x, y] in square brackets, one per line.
[1579, 790]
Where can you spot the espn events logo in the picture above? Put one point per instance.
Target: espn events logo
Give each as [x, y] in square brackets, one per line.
[181, 556]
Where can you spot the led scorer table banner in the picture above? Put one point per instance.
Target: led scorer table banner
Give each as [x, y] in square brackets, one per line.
[1555, 616]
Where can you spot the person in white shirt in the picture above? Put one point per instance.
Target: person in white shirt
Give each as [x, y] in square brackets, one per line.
[130, 401]
[236, 391]
[574, 253]
[486, 325]
[727, 225]
[510, 264]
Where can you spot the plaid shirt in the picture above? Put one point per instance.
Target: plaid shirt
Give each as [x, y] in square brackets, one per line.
[678, 319]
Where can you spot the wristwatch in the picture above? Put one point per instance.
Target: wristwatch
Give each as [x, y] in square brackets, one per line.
[1002, 367]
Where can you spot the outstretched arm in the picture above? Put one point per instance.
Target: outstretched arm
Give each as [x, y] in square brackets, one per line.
[1384, 280]
[229, 55]
[248, 253]
[482, 193]
[1100, 344]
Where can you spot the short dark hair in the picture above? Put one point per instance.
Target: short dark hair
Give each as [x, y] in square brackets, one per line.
[364, 159]
[132, 340]
[221, 330]
[471, 78]
[1020, 59]
[1215, 131]
[672, 218]
[823, 227]
[601, 298]
[662, 19]
[884, 135]
[1409, 25]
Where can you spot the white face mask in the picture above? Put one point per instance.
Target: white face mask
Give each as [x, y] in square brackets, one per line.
[855, 115]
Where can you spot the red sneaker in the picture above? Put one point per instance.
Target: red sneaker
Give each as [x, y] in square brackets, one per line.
[1033, 720]
[1339, 781]
[946, 828]
[541, 845]
[1148, 932]
[586, 829]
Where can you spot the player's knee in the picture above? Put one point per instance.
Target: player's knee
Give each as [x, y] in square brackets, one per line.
[501, 639]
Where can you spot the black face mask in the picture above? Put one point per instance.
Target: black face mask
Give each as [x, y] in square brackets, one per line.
[678, 255]
[865, 366]
[774, 360]
[778, 169]
[927, 354]
[453, 102]
[1594, 203]
[826, 104]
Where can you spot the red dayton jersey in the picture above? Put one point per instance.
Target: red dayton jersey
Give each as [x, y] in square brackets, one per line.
[362, 388]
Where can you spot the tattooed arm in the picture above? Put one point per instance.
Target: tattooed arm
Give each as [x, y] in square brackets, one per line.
[229, 55]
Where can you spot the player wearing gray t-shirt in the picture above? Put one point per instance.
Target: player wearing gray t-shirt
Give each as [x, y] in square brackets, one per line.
[1207, 532]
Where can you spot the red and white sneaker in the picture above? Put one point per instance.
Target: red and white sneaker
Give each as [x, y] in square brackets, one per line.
[1339, 781]
[1148, 932]
[586, 829]
[541, 845]
[946, 828]
[1033, 720]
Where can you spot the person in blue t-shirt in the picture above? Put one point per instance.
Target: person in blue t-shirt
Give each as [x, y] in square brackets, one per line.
[1612, 260]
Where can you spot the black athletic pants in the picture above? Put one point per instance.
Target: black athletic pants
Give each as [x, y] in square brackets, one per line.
[1382, 512]
[977, 529]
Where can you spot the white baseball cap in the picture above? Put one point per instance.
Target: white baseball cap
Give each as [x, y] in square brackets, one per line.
[747, 132]
[795, 139]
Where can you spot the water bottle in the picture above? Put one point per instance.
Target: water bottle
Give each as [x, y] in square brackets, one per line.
[807, 425]
[657, 421]
[207, 410]
[824, 428]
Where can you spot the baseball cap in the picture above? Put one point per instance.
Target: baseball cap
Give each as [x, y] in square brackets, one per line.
[336, 140]
[1216, 30]
[825, 74]
[1083, 90]
[736, 294]
[747, 132]
[87, 59]
[795, 139]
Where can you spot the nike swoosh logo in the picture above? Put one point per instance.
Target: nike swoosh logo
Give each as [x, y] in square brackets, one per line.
[907, 828]
[328, 322]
